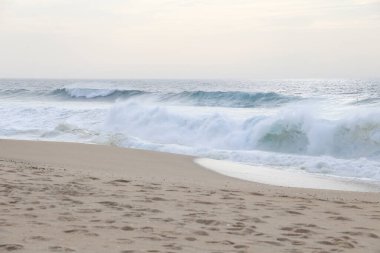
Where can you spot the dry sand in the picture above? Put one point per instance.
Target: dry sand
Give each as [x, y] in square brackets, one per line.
[62, 197]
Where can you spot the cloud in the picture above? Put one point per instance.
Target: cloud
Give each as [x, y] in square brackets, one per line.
[266, 35]
[172, 15]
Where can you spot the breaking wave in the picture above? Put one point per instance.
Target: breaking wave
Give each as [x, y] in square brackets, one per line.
[290, 131]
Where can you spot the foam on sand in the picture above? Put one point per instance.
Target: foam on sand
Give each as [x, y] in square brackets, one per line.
[286, 178]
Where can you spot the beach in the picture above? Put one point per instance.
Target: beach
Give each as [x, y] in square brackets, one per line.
[208, 126]
[66, 197]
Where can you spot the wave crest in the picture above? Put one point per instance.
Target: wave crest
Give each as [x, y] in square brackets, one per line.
[93, 93]
[235, 99]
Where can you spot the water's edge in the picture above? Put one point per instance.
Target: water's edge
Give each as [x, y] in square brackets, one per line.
[285, 178]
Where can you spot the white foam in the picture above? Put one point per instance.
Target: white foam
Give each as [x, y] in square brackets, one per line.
[88, 92]
[292, 130]
[297, 179]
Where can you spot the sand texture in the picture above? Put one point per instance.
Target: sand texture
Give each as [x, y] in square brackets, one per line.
[61, 197]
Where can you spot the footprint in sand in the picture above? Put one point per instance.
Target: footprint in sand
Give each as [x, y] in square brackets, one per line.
[208, 222]
[60, 249]
[80, 231]
[147, 229]
[356, 233]
[294, 212]
[340, 218]
[108, 203]
[273, 243]
[88, 210]
[118, 182]
[200, 232]
[173, 246]
[11, 247]
[39, 238]
[297, 231]
[241, 247]
[256, 194]
[351, 206]
[124, 241]
[340, 242]
[127, 228]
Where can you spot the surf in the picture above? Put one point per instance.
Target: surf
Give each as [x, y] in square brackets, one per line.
[274, 123]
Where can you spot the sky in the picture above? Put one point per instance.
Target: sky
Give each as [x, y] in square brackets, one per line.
[244, 39]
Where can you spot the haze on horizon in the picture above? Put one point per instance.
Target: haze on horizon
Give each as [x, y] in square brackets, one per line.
[189, 39]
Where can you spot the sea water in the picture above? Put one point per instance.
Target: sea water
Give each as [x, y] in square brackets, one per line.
[329, 127]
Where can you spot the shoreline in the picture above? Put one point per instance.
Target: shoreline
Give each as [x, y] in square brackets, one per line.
[285, 178]
[67, 197]
[24, 148]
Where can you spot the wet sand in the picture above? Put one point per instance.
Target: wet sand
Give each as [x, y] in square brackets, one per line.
[63, 197]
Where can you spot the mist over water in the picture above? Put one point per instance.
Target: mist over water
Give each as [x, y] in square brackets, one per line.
[319, 126]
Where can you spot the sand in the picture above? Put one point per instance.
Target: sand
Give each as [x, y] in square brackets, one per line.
[63, 197]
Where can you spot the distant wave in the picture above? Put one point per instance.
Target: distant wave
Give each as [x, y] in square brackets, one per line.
[15, 92]
[235, 99]
[93, 93]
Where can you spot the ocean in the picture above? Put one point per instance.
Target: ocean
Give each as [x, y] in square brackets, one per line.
[328, 127]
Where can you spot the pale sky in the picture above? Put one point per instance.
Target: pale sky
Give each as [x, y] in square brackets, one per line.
[247, 39]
